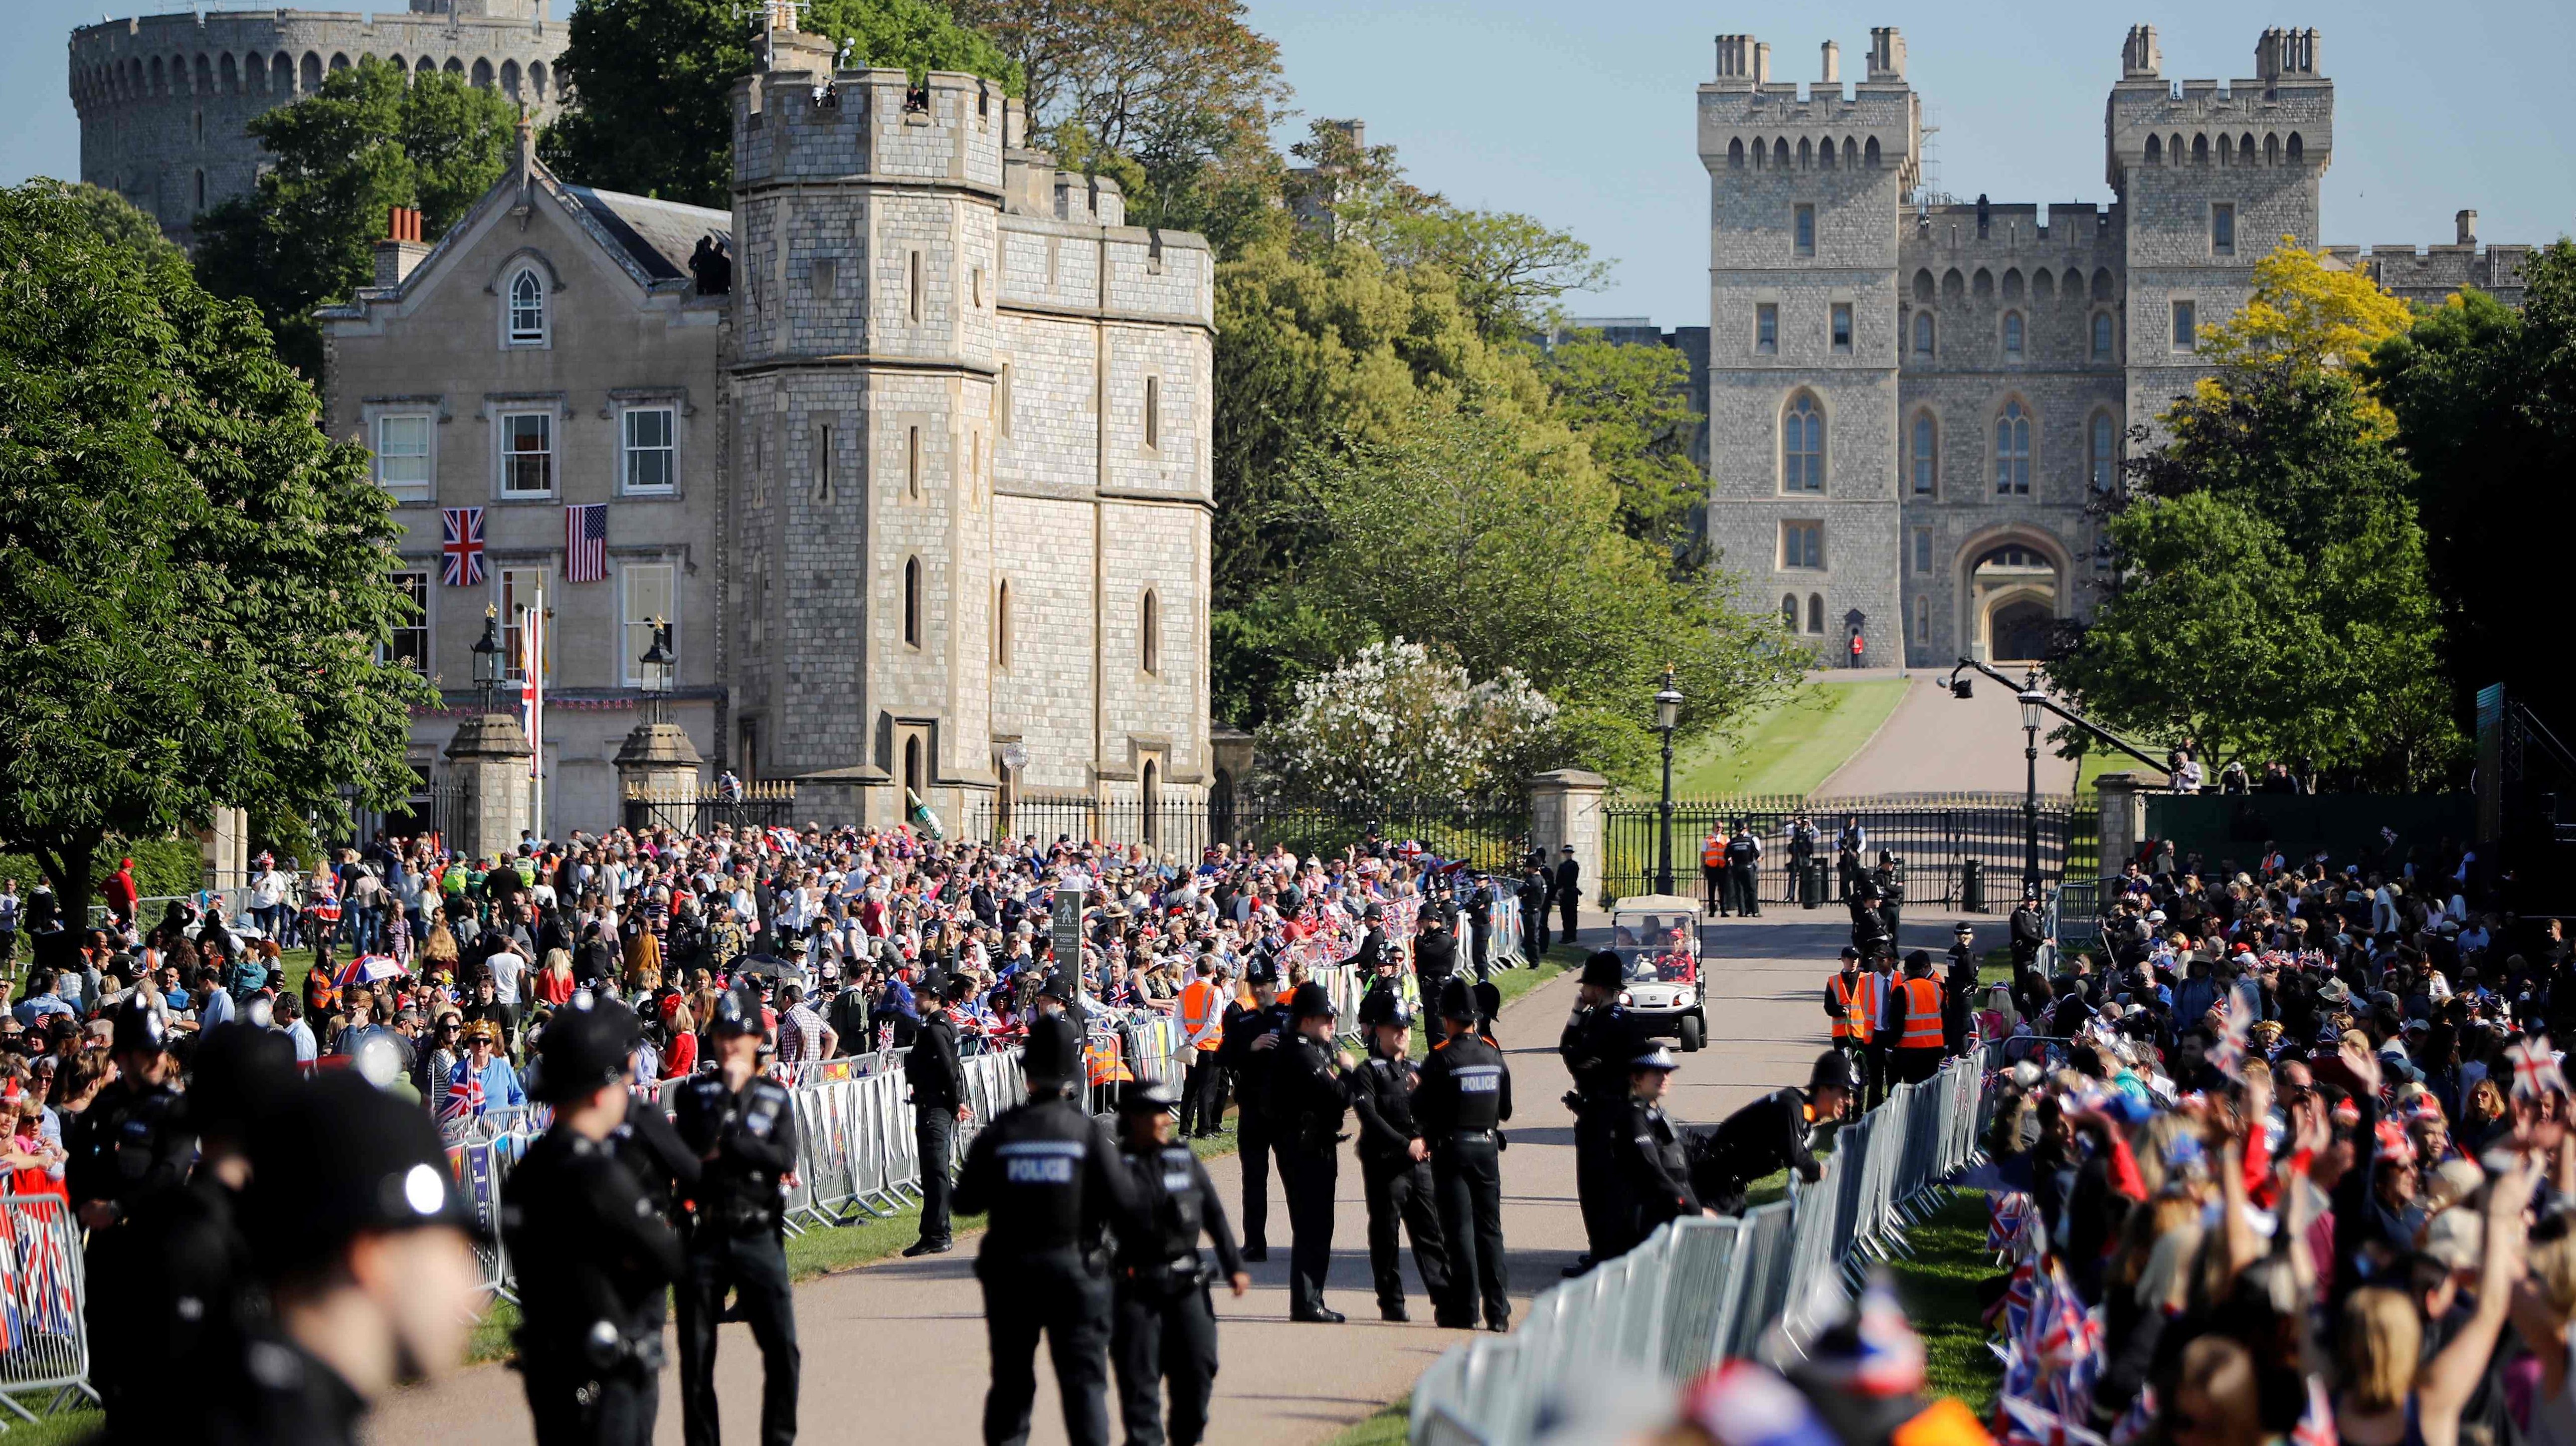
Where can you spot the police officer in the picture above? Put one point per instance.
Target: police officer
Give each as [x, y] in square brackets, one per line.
[1306, 1106]
[1802, 857]
[1651, 1157]
[743, 1128]
[1569, 892]
[1435, 953]
[1712, 867]
[1533, 894]
[589, 1250]
[1250, 1048]
[357, 1230]
[1959, 988]
[1465, 1096]
[1052, 1184]
[1850, 843]
[2029, 930]
[133, 1141]
[1395, 1178]
[1480, 925]
[1772, 1133]
[938, 1080]
[1372, 950]
[1163, 1325]
[1890, 878]
[1744, 869]
[665, 1168]
[1598, 1042]
[1848, 1004]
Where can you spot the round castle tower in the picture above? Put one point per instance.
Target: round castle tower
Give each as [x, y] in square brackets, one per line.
[163, 99]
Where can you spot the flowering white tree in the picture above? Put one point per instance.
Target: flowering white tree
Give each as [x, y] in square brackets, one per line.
[1396, 720]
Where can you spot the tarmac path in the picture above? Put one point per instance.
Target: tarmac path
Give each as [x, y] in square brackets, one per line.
[896, 1350]
[1934, 743]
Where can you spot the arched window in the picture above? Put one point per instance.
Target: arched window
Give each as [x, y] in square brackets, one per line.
[2101, 336]
[2295, 150]
[1851, 153]
[1780, 154]
[2200, 150]
[2012, 451]
[912, 602]
[1802, 445]
[537, 79]
[1789, 611]
[1825, 154]
[2105, 451]
[482, 73]
[1925, 455]
[2271, 149]
[912, 765]
[1922, 333]
[527, 309]
[1923, 287]
[1150, 793]
[1735, 154]
[1002, 624]
[1869, 156]
[1816, 613]
[1149, 634]
[2012, 335]
[1806, 154]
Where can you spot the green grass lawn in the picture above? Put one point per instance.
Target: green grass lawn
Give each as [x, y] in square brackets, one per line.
[1938, 1288]
[1793, 746]
[1386, 1428]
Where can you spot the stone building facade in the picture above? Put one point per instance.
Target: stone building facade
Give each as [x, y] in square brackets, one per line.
[937, 517]
[163, 99]
[1912, 401]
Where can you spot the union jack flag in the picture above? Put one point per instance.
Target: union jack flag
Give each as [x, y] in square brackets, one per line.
[460, 546]
[2535, 1068]
[47, 1303]
[586, 542]
[464, 1094]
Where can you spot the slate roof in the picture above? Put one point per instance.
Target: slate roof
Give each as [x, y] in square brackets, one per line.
[658, 236]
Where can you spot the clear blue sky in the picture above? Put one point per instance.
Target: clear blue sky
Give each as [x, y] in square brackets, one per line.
[1581, 114]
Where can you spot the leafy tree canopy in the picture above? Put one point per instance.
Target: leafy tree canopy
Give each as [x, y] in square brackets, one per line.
[1632, 406]
[193, 580]
[2307, 312]
[370, 139]
[648, 83]
[120, 223]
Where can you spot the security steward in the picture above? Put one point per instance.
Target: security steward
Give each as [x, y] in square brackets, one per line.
[663, 1165]
[1597, 1044]
[1773, 1133]
[743, 1128]
[1744, 870]
[1847, 1005]
[1915, 1020]
[1464, 1098]
[1395, 1174]
[1163, 1324]
[1052, 1184]
[365, 1246]
[1201, 1016]
[133, 1141]
[1878, 991]
[1251, 1046]
[938, 1080]
[591, 1254]
[1306, 1107]
[1712, 869]
[1651, 1156]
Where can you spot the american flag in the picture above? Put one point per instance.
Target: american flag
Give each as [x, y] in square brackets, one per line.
[460, 546]
[586, 542]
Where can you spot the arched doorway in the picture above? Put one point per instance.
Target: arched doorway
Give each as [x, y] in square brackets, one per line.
[2015, 591]
[2019, 630]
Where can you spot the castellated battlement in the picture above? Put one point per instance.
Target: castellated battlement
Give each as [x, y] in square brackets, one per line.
[2012, 230]
[2282, 116]
[801, 125]
[1751, 122]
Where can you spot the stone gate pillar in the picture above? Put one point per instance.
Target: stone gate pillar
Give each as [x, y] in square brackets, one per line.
[1565, 808]
[488, 758]
[658, 761]
[2124, 818]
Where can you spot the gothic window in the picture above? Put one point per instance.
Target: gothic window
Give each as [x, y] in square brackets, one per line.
[1816, 613]
[1149, 641]
[1926, 454]
[1789, 611]
[2105, 462]
[2012, 451]
[2295, 149]
[1780, 154]
[2012, 335]
[2101, 336]
[1922, 333]
[1806, 154]
[1002, 625]
[1735, 154]
[912, 602]
[2271, 150]
[2222, 229]
[527, 309]
[1802, 445]
[2200, 150]
[1922, 284]
[1806, 229]
[1870, 156]
[1802, 545]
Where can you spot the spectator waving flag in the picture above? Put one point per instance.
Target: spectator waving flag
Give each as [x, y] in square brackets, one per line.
[460, 547]
[586, 542]
[2535, 1068]
[464, 1094]
[48, 1303]
[13, 1323]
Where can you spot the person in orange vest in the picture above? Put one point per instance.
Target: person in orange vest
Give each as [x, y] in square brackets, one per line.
[1878, 1006]
[1915, 1021]
[1712, 864]
[1200, 1015]
[1847, 1006]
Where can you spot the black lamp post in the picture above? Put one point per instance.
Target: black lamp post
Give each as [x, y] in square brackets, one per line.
[655, 671]
[487, 656]
[1668, 713]
[2034, 705]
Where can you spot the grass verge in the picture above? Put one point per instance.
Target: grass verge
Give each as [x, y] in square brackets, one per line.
[84, 1421]
[1386, 1428]
[1938, 1288]
[1795, 745]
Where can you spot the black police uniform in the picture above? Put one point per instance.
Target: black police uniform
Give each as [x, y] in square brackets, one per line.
[1435, 957]
[1569, 895]
[1306, 1105]
[747, 1141]
[1533, 896]
[1597, 1044]
[1744, 873]
[132, 1143]
[1465, 1096]
[1480, 927]
[1163, 1326]
[1051, 1182]
[938, 1081]
[1396, 1186]
[591, 1258]
[1656, 1168]
[1767, 1135]
[1255, 1140]
[1890, 878]
[667, 1172]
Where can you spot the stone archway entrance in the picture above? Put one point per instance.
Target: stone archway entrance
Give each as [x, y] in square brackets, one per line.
[2019, 630]
[2015, 597]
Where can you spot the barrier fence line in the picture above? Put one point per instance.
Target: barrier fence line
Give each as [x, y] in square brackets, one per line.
[44, 1333]
[1699, 1291]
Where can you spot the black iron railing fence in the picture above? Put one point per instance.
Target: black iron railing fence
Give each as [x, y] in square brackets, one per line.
[1944, 840]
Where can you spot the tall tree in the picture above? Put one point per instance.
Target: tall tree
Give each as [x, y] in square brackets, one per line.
[368, 140]
[194, 582]
[1632, 406]
[119, 222]
[648, 83]
[2485, 401]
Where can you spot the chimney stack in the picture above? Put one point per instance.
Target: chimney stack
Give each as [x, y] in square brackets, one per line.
[402, 248]
[1833, 72]
[2142, 59]
[1886, 54]
[2467, 222]
[1761, 62]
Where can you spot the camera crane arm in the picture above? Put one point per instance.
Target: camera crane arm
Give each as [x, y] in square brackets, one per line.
[1960, 688]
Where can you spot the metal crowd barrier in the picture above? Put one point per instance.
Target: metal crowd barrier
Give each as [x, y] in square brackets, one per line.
[1699, 1291]
[44, 1333]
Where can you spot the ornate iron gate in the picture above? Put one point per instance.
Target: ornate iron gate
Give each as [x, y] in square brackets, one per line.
[704, 810]
[1938, 836]
[1486, 836]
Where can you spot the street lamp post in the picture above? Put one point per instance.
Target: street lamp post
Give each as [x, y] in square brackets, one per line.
[1668, 713]
[2034, 704]
[487, 657]
[654, 671]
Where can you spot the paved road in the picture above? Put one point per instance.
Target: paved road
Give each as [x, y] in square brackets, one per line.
[1936, 743]
[896, 1349]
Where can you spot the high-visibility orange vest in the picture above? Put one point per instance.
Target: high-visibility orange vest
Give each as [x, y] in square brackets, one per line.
[1851, 1024]
[1873, 998]
[1199, 1014]
[1712, 854]
[1922, 1015]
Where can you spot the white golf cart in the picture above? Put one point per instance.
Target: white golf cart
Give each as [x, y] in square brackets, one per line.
[1657, 937]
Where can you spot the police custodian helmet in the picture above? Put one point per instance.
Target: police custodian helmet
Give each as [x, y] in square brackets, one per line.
[1054, 1054]
[580, 1051]
[1311, 1000]
[338, 1157]
[1457, 1001]
[1384, 1006]
[1604, 971]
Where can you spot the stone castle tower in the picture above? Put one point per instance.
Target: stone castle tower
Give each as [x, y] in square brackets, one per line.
[1913, 400]
[163, 98]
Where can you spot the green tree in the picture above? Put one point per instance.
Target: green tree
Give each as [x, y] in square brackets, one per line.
[2270, 596]
[1632, 406]
[2485, 401]
[119, 222]
[648, 83]
[370, 139]
[193, 580]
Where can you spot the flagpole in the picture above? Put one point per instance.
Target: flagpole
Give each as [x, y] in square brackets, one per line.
[537, 716]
